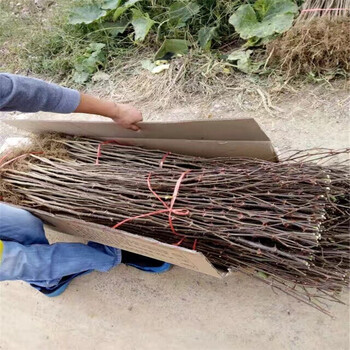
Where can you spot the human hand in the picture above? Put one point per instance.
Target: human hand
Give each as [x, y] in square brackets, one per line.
[126, 116]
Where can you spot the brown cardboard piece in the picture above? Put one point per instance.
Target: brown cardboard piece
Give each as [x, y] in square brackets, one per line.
[217, 138]
[183, 257]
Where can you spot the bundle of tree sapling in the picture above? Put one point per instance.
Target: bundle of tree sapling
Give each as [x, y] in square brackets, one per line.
[285, 223]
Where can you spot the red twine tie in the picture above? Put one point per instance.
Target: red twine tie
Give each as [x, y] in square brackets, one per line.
[320, 10]
[168, 209]
[163, 159]
[99, 149]
[13, 159]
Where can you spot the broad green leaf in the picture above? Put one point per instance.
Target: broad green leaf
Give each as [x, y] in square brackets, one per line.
[205, 35]
[172, 46]
[245, 21]
[266, 8]
[242, 58]
[80, 77]
[120, 10]
[86, 14]
[243, 61]
[265, 18]
[180, 12]
[110, 4]
[240, 55]
[115, 28]
[96, 46]
[141, 23]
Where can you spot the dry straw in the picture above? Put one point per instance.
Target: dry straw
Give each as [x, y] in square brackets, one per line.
[317, 43]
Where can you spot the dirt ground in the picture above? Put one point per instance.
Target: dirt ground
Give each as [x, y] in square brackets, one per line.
[128, 309]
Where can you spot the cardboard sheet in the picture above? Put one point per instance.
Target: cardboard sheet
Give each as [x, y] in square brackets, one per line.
[137, 244]
[217, 138]
[238, 130]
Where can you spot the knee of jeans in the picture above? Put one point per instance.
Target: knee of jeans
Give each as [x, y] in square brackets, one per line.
[28, 220]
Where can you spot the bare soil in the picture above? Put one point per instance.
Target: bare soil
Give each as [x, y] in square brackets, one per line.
[130, 309]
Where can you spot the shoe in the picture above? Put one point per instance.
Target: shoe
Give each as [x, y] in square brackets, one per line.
[144, 263]
[159, 269]
[135, 260]
[60, 287]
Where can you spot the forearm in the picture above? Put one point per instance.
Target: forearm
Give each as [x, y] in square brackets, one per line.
[92, 105]
[18, 93]
[125, 115]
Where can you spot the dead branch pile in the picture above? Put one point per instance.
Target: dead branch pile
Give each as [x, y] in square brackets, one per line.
[286, 220]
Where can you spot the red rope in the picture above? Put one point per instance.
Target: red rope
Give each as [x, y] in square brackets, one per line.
[332, 9]
[4, 157]
[168, 209]
[13, 159]
[180, 241]
[163, 159]
[194, 244]
[99, 149]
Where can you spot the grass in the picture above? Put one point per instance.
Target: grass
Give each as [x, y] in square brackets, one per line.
[27, 41]
[39, 42]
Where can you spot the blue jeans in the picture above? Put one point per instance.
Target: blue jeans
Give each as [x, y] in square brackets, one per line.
[29, 257]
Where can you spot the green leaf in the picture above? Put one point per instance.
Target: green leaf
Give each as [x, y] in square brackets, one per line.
[120, 10]
[148, 64]
[130, 3]
[266, 8]
[81, 77]
[261, 8]
[242, 58]
[115, 28]
[262, 274]
[155, 68]
[243, 61]
[244, 19]
[264, 19]
[110, 4]
[88, 64]
[96, 47]
[173, 46]
[180, 12]
[86, 14]
[205, 35]
[141, 23]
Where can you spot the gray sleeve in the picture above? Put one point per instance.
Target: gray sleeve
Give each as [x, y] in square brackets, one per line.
[18, 93]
